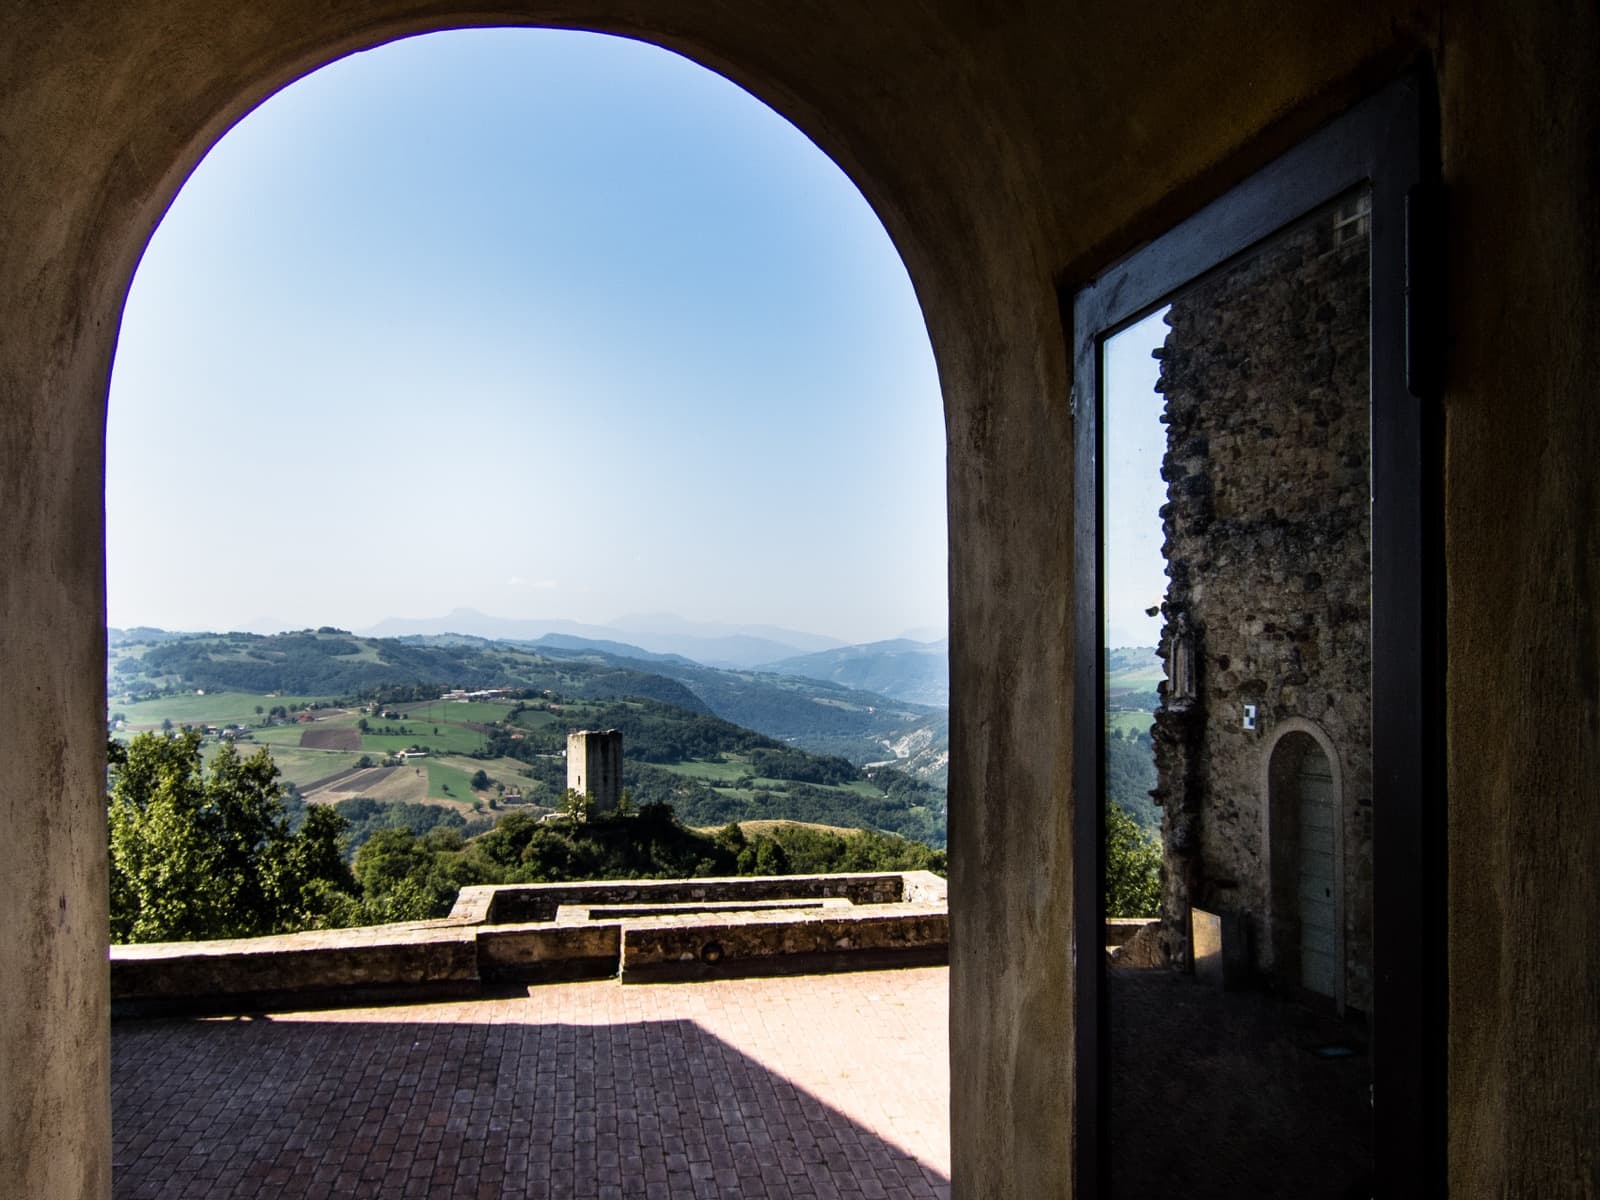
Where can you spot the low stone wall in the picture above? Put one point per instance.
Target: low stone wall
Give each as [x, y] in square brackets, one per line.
[1122, 929]
[327, 968]
[697, 948]
[539, 901]
[859, 921]
[535, 952]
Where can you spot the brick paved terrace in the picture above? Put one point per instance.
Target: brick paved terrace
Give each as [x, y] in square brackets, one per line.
[810, 1086]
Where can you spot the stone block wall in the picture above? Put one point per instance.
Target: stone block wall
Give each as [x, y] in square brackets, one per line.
[513, 903]
[1265, 378]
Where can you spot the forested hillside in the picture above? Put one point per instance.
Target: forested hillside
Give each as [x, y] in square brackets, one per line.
[338, 736]
[823, 717]
[205, 850]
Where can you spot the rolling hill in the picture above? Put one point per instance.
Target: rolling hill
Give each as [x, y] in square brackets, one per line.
[814, 715]
[901, 669]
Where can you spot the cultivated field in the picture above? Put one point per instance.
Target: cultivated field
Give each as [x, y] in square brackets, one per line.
[473, 711]
[347, 738]
[212, 708]
[402, 735]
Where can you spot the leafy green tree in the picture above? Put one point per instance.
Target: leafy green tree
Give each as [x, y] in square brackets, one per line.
[199, 853]
[480, 780]
[1133, 866]
[404, 878]
[763, 856]
[576, 804]
[731, 838]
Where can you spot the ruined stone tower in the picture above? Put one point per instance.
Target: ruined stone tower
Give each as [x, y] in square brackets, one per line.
[594, 767]
[1263, 739]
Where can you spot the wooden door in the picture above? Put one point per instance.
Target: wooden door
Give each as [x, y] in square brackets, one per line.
[1317, 809]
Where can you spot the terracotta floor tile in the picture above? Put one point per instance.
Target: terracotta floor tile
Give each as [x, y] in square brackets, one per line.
[825, 1085]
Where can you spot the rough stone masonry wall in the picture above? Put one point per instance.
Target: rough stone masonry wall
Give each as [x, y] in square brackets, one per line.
[1264, 372]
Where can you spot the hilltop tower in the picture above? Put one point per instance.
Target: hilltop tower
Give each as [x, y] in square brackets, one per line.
[594, 767]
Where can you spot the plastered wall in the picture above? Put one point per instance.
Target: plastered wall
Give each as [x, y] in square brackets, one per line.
[1012, 150]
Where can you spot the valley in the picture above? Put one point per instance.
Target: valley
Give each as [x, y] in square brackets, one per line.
[347, 718]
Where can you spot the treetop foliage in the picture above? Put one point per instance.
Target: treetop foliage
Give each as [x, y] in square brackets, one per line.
[211, 852]
[208, 853]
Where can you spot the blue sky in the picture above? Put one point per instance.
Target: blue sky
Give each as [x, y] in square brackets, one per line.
[541, 323]
[1134, 442]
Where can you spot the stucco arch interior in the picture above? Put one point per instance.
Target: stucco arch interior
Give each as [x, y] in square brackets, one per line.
[992, 321]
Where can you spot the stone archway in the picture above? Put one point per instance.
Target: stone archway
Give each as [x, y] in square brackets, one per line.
[1302, 848]
[104, 147]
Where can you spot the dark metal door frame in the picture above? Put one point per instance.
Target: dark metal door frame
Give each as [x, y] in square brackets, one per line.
[1388, 142]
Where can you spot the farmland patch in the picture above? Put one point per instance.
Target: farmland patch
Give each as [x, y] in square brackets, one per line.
[331, 739]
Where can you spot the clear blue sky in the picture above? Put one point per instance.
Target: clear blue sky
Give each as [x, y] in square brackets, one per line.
[540, 323]
[1134, 442]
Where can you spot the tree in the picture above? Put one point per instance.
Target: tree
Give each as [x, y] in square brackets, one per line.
[480, 780]
[577, 805]
[1133, 866]
[402, 878]
[199, 853]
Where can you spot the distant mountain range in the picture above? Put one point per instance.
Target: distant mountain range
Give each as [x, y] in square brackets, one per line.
[900, 668]
[713, 645]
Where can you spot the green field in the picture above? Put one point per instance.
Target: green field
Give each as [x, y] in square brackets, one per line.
[538, 718]
[214, 708]
[295, 766]
[301, 767]
[1123, 722]
[451, 739]
[711, 772]
[737, 793]
[478, 712]
[278, 735]
[441, 775]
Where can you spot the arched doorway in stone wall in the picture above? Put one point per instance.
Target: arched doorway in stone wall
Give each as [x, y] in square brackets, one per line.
[1303, 845]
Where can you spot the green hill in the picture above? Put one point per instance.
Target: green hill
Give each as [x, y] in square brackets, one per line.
[816, 715]
[358, 703]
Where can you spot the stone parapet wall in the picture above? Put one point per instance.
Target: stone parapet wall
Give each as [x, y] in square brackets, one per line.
[678, 948]
[858, 921]
[540, 901]
[325, 967]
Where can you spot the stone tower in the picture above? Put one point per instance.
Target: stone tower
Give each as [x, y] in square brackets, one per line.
[1265, 724]
[594, 767]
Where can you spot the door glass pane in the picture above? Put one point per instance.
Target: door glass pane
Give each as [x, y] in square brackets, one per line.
[1237, 751]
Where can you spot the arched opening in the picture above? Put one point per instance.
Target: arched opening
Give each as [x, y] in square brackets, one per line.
[1305, 817]
[373, 496]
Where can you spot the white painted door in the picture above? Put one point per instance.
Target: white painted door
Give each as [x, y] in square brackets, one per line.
[1318, 809]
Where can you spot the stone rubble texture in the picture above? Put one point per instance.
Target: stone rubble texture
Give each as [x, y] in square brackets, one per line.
[1267, 523]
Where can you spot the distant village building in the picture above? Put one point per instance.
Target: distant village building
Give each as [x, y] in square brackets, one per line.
[594, 767]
